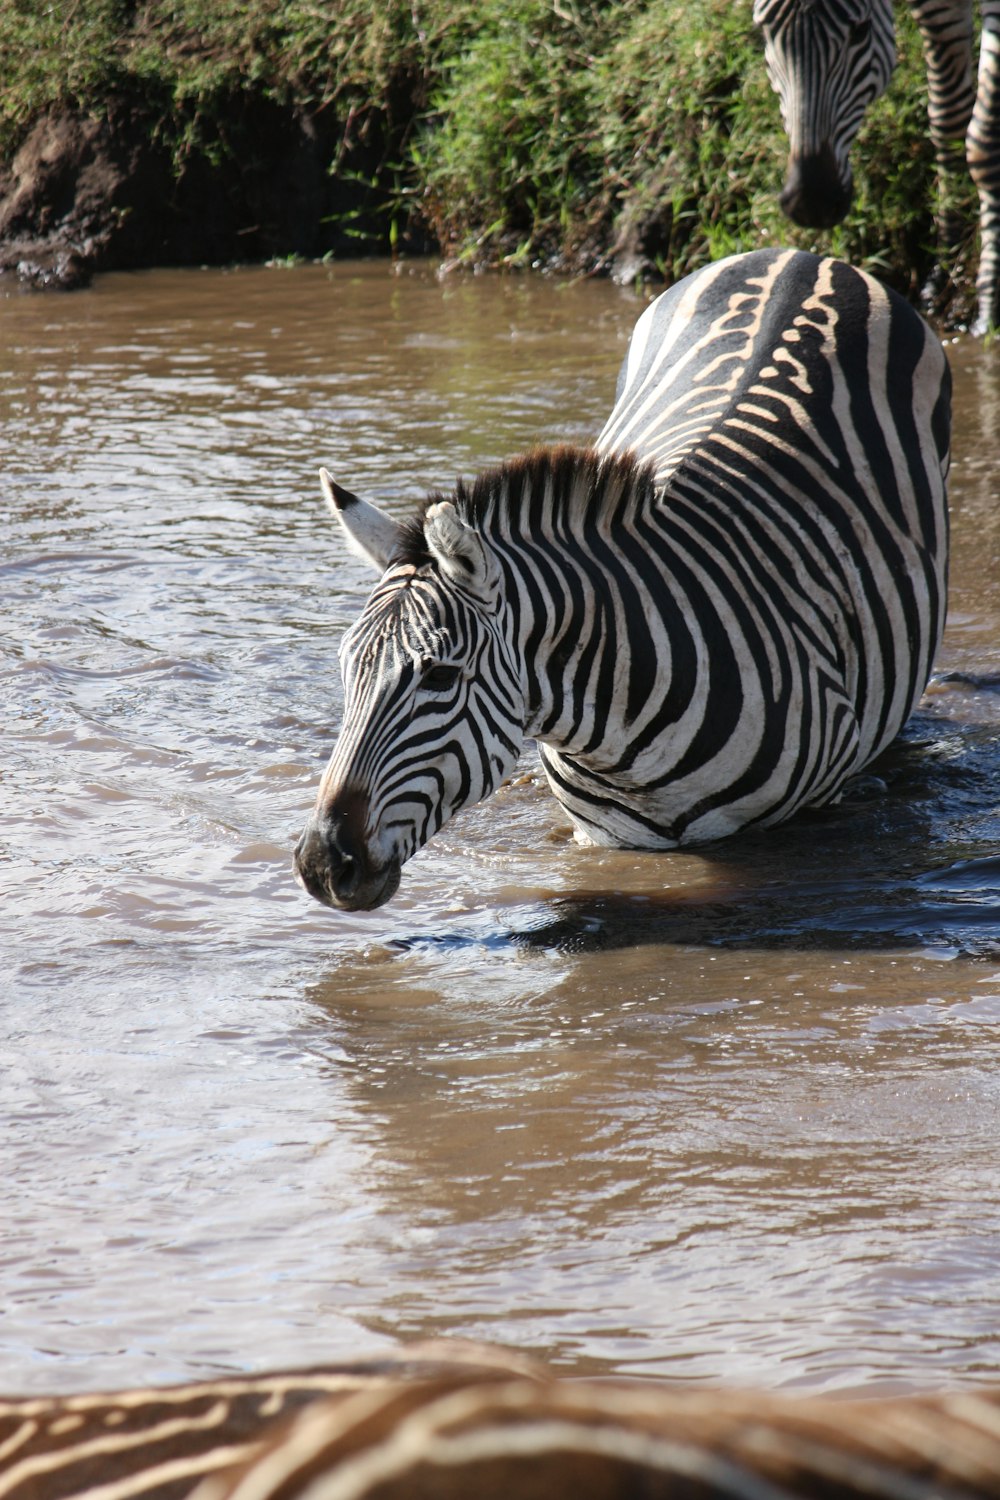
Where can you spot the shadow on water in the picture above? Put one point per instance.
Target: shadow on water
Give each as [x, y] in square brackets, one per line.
[909, 857]
[754, 1115]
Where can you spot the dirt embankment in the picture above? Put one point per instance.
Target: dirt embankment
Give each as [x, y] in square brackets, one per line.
[88, 193]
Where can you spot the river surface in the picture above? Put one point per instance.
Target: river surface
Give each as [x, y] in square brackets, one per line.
[731, 1115]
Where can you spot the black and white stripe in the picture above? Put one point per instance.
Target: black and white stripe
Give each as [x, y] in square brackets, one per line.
[154, 1443]
[828, 61]
[162, 1442]
[475, 1421]
[713, 618]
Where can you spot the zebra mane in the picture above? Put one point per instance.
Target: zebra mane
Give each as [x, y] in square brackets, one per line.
[563, 483]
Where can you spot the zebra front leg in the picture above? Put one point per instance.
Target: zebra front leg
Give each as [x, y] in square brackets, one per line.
[983, 147]
[946, 32]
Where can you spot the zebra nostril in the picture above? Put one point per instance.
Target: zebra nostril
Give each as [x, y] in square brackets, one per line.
[317, 864]
[345, 874]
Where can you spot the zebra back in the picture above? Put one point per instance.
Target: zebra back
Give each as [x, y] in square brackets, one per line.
[797, 413]
[490, 1423]
[564, 1439]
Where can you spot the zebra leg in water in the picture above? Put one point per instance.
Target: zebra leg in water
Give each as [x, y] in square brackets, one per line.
[983, 149]
[714, 617]
[963, 111]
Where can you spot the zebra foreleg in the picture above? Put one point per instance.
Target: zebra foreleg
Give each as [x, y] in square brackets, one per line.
[983, 148]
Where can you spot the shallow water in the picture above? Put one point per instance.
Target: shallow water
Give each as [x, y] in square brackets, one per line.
[728, 1115]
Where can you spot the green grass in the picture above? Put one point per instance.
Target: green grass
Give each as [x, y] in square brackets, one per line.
[519, 131]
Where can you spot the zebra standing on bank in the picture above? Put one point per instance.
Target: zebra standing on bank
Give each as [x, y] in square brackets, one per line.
[711, 619]
[828, 61]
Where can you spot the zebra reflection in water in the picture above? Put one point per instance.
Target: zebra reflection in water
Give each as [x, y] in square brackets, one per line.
[712, 618]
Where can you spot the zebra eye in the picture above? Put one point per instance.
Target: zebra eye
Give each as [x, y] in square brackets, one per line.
[441, 677]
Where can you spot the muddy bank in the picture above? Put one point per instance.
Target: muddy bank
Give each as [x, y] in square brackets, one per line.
[88, 193]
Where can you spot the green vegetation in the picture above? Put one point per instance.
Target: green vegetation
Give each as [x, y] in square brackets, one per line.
[517, 131]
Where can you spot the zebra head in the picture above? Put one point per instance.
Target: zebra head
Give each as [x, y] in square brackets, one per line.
[433, 701]
[827, 60]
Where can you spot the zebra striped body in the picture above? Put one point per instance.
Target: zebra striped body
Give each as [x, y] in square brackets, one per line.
[712, 619]
[828, 61]
[154, 1443]
[485, 1422]
[161, 1442]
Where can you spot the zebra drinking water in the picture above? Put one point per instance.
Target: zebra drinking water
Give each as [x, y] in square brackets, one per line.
[709, 620]
[828, 61]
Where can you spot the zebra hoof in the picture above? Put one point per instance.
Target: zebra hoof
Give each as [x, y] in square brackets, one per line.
[864, 789]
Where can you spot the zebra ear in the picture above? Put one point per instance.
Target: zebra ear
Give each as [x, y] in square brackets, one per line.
[460, 552]
[370, 533]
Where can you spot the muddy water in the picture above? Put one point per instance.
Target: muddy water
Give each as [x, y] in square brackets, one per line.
[732, 1115]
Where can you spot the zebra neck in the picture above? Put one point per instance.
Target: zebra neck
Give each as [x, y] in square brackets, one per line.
[568, 525]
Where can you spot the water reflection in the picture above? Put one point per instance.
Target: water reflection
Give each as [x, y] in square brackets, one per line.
[685, 1165]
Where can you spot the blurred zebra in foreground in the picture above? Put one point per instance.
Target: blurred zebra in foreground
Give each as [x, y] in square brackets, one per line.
[711, 619]
[447, 1421]
[827, 62]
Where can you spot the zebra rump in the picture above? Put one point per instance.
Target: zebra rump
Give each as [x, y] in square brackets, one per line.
[711, 619]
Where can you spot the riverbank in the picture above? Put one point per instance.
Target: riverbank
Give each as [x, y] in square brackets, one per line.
[637, 141]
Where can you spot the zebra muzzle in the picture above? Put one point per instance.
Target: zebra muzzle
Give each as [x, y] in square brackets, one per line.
[816, 193]
[333, 872]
